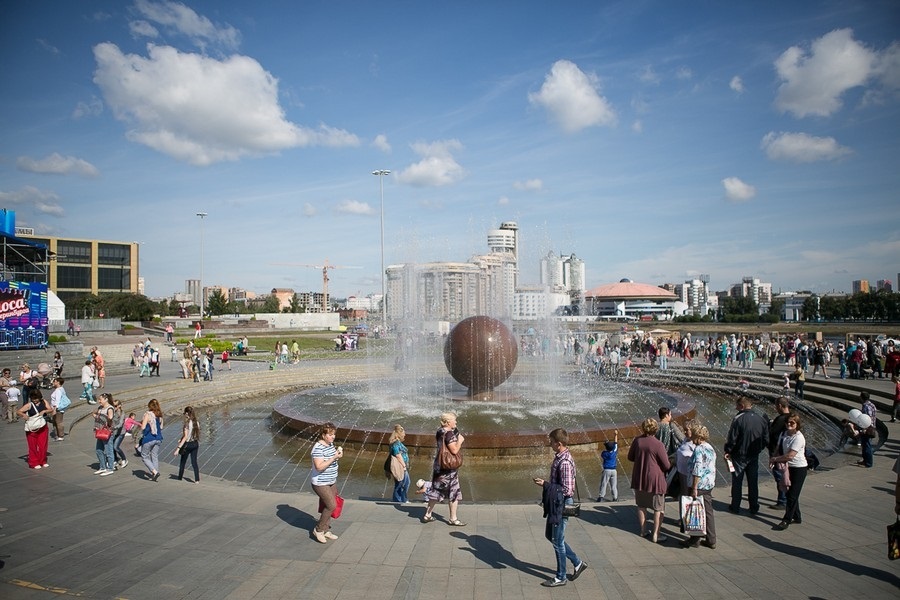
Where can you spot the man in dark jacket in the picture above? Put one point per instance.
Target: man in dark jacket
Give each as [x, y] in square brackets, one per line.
[747, 438]
[778, 426]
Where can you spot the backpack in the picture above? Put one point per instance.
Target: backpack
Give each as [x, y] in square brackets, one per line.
[64, 402]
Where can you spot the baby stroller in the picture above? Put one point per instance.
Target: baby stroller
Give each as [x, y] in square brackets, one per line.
[45, 376]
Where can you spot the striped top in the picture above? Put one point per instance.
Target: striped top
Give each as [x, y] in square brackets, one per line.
[325, 452]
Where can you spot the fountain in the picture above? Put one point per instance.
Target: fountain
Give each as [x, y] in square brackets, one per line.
[481, 353]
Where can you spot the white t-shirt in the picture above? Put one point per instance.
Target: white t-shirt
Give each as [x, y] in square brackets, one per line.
[796, 443]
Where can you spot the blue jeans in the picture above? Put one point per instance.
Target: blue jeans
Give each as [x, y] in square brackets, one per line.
[117, 444]
[401, 487]
[105, 454]
[778, 475]
[868, 452]
[562, 549]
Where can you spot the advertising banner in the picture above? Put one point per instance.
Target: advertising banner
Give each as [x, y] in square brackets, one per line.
[23, 315]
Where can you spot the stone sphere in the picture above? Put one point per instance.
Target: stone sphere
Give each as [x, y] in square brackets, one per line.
[480, 353]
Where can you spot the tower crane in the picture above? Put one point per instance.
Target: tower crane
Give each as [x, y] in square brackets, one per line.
[325, 266]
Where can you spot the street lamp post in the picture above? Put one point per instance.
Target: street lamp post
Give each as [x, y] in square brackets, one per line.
[201, 215]
[380, 174]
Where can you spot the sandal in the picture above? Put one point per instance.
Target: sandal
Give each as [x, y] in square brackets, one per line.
[456, 523]
[427, 519]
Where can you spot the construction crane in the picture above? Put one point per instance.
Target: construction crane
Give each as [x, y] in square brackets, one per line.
[325, 266]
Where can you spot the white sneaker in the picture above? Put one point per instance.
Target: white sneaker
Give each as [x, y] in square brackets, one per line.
[36, 467]
[124, 464]
[107, 472]
[101, 471]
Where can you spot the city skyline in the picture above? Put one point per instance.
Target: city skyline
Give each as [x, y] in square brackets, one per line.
[655, 142]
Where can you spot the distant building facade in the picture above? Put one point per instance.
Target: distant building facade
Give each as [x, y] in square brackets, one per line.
[861, 286]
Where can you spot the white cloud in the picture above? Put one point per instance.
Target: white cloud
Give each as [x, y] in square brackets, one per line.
[381, 142]
[684, 73]
[648, 75]
[438, 166]
[813, 83]
[737, 84]
[88, 109]
[309, 210]
[573, 98]
[738, 191]
[178, 18]
[887, 67]
[142, 28]
[637, 126]
[503, 201]
[47, 46]
[57, 164]
[801, 147]
[201, 110]
[29, 196]
[355, 207]
[529, 185]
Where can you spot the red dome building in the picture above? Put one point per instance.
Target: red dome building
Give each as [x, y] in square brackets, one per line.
[627, 300]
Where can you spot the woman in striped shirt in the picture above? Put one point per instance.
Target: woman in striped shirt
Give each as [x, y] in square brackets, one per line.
[325, 458]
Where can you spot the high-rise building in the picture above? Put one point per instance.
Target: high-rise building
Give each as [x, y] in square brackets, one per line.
[861, 286]
[564, 274]
[884, 285]
[752, 287]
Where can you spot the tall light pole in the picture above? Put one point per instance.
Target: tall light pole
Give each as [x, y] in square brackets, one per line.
[202, 299]
[380, 174]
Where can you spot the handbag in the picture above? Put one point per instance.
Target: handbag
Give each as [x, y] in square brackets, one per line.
[338, 506]
[398, 467]
[35, 423]
[574, 509]
[449, 461]
[693, 515]
[187, 447]
[893, 532]
[103, 434]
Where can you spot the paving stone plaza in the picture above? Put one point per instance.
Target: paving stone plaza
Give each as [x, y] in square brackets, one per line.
[68, 533]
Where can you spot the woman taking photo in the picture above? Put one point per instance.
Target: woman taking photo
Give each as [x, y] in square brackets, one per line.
[37, 435]
[401, 486]
[189, 444]
[325, 458]
[103, 420]
[152, 424]
[445, 482]
[791, 452]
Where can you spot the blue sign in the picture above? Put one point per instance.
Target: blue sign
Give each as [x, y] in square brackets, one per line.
[23, 314]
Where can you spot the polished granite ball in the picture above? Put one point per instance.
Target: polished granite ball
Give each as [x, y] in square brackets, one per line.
[480, 353]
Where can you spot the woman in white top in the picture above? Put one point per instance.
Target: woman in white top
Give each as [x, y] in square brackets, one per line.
[792, 452]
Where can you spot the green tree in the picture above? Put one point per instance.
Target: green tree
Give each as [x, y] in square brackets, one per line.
[810, 308]
[295, 304]
[271, 305]
[217, 303]
[128, 307]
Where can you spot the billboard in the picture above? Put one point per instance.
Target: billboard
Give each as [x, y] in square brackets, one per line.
[23, 315]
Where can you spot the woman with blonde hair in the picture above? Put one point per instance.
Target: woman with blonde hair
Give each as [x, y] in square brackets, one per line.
[189, 444]
[398, 449]
[152, 424]
[703, 480]
[444, 481]
[648, 478]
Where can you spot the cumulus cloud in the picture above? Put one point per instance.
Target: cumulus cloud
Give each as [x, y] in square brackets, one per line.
[57, 164]
[309, 210]
[529, 185]
[738, 191]
[813, 82]
[201, 110]
[29, 196]
[178, 18]
[737, 84]
[355, 207]
[572, 98]
[381, 142]
[438, 166]
[88, 109]
[801, 147]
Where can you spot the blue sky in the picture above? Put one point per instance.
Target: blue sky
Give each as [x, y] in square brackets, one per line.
[655, 140]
